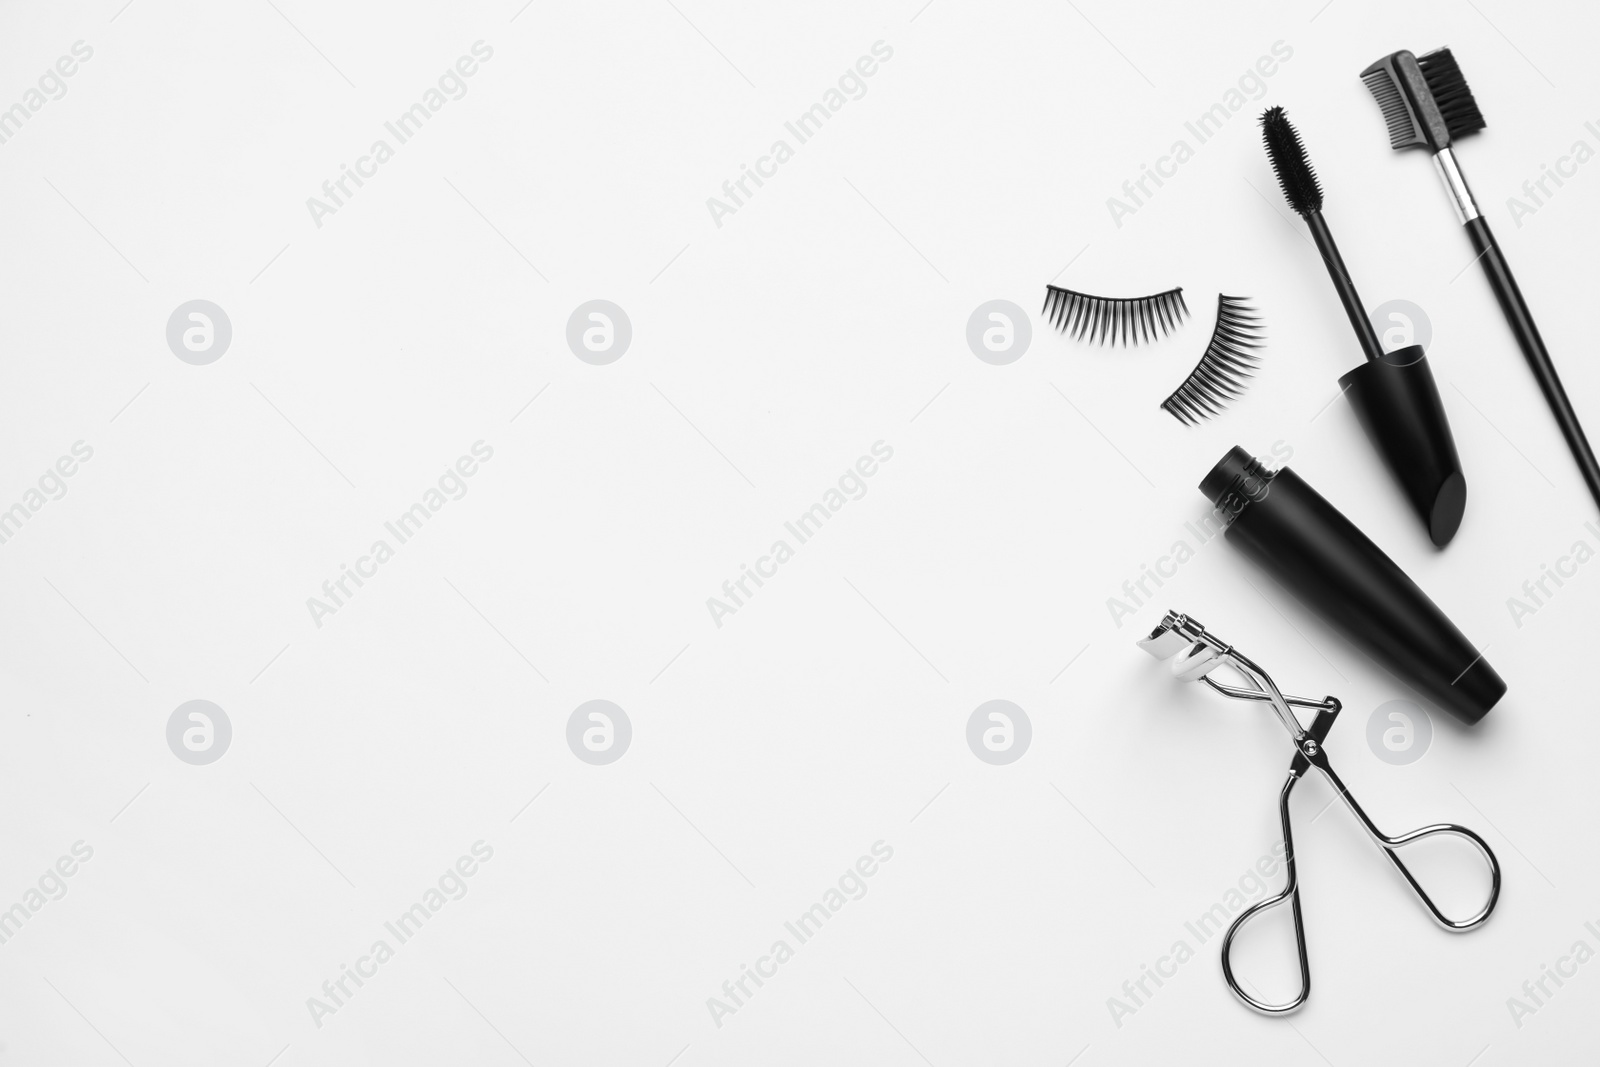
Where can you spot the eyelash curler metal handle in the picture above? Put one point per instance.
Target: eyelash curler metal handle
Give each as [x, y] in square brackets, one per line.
[1291, 893]
[1197, 654]
[1326, 710]
[1392, 845]
[1291, 889]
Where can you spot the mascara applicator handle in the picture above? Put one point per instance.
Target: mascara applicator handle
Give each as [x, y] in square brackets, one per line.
[1521, 321]
[1346, 288]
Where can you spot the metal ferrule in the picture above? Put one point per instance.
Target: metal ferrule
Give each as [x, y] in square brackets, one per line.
[1444, 161]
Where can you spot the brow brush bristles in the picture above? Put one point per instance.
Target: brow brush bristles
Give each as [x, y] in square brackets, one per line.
[1226, 367]
[1449, 88]
[1117, 319]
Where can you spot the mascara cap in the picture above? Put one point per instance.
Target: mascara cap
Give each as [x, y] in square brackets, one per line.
[1398, 404]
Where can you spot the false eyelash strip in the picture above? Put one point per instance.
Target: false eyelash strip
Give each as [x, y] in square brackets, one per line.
[1127, 317]
[1225, 370]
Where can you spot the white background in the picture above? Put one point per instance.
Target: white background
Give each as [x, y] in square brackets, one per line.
[768, 354]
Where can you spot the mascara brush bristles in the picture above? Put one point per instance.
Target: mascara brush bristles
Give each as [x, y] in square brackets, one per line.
[1289, 162]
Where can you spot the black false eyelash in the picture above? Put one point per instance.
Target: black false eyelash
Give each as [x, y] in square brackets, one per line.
[1224, 371]
[1114, 318]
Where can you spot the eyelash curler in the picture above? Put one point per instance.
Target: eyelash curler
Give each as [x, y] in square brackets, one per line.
[1195, 654]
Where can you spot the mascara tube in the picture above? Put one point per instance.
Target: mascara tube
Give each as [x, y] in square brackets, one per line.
[1307, 544]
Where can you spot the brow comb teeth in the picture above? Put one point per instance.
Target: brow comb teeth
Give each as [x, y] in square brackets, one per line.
[1404, 130]
[1120, 320]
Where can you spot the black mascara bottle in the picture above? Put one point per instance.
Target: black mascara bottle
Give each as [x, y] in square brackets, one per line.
[1287, 527]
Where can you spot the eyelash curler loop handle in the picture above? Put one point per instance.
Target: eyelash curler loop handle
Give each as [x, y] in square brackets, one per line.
[1291, 893]
[1391, 847]
[1310, 753]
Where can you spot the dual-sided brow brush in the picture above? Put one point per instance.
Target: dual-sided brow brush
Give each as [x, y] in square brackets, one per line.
[1393, 393]
[1427, 104]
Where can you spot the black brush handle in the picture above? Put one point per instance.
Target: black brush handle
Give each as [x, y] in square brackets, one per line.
[1370, 345]
[1521, 320]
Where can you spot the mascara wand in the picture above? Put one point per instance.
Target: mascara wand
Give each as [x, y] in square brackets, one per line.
[1393, 393]
[1304, 193]
[1426, 103]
